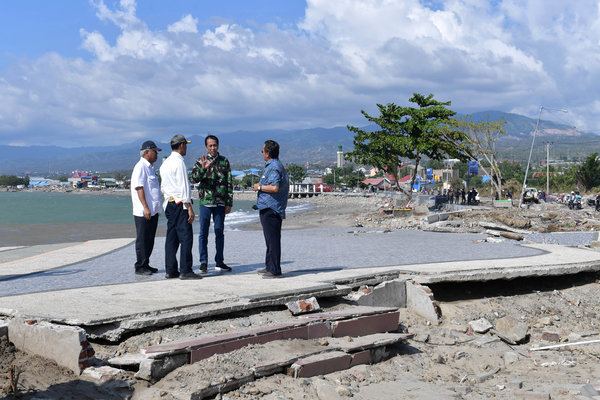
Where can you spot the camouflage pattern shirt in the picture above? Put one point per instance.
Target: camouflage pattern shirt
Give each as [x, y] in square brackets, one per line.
[215, 184]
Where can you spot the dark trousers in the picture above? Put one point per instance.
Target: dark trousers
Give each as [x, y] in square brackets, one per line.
[145, 231]
[271, 224]
[179, 232]
[218, 216]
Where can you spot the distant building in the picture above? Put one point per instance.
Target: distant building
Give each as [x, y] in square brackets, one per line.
[340, 157]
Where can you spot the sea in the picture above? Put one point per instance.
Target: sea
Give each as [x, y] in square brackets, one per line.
[31, 218]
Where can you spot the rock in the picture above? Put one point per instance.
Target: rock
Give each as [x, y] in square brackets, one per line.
[551, 337]
[246, 322]
[343, 391]
[511, 330]
[421, 337]
[545, 321]
[510, 357]
[481, 325]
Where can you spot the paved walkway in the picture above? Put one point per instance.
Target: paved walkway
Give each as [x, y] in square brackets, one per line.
[103, 289]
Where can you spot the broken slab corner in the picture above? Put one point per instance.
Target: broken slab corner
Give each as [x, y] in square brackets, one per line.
[420, 300]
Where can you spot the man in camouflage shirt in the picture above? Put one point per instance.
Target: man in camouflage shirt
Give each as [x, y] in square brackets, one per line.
[215, 189]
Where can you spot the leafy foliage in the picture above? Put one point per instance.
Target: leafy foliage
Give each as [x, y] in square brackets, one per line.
[296, 173]
[408, 132]
[588, 173]
[11, 180]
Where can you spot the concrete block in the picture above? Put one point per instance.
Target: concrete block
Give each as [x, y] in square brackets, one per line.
[65, 345]
[433, 218]
[155, 369]
[420, 300]
[303, 306]
[320, 364]
[530, 395]
[386, 294]
[366, 325]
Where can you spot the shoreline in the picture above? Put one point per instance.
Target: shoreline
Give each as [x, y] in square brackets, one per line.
[328, 211]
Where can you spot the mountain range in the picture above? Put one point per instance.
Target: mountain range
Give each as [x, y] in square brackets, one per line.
[315, 146]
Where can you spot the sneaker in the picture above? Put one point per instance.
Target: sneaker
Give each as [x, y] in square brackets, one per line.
[268, 275]
[143, 271]
[203, 268]
[223, 267]
[262, 271]
[189, 275]
[154, 270]
[172, 276]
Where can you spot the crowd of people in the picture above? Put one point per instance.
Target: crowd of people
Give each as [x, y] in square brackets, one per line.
[212, 174]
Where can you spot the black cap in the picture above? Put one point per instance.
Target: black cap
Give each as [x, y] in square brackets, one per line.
[149, 145]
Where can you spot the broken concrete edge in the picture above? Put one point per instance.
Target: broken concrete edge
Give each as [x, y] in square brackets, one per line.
[420, 300]
[66, 345]
[115, 330]
[4, 327]
[508, 273]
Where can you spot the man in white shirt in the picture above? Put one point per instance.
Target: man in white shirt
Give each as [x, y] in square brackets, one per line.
[145, 197]
[175, 187]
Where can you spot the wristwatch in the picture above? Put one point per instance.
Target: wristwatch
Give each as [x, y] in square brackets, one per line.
[259, 186]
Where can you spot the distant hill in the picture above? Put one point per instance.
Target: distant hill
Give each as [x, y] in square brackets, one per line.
[315, 145]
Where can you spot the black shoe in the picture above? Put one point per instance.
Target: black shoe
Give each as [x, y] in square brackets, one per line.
[152, 269]
[262, 271]
[190, 275]
[223, 267]
[268, 275]
[143, 271]
[172, 276]
[203, 268]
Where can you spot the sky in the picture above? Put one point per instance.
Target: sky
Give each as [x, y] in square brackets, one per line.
[107, 72]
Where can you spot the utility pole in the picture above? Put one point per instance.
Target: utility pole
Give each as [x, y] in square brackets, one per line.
[548, 167]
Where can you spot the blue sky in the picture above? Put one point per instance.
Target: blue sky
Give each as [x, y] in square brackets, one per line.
[74, 72]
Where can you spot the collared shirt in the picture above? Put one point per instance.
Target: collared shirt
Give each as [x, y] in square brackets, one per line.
[174, 180]
[274, 174]
[215, 183]
[144, 176]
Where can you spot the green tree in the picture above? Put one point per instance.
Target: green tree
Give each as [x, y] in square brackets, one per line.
[296, 173]
[588, 173]
[249, 180]
[408, 132]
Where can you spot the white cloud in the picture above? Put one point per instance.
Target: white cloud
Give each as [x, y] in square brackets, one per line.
[345, 56]
[187, 24]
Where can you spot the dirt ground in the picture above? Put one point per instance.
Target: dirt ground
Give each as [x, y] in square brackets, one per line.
[447, 361]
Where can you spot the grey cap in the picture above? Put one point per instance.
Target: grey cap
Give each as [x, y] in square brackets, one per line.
[175, 140]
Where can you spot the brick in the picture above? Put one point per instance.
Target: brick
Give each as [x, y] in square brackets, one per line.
[320, 364]
[362, 357]
[303, 306]
[366, 325]
[319, 330]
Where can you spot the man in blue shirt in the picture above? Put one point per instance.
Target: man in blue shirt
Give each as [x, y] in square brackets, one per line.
[273, 189]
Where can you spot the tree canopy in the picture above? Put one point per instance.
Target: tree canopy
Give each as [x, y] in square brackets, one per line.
[408, 132]
[296, 173]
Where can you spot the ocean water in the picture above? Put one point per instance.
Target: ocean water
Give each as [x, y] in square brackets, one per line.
[28, 218]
